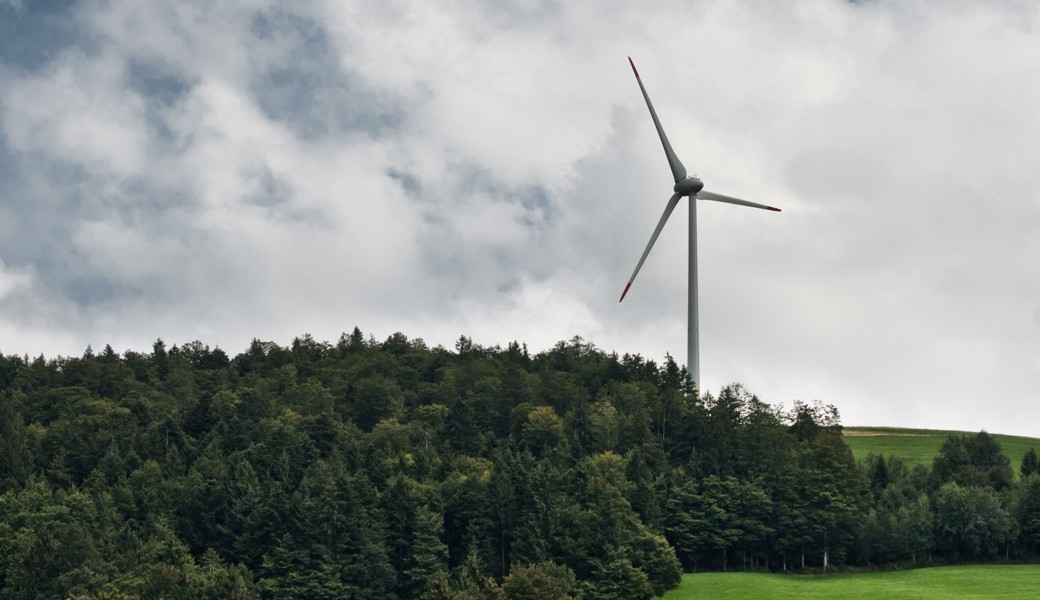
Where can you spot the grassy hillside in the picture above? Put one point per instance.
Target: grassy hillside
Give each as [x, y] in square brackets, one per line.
[919, 446]
[939, 583]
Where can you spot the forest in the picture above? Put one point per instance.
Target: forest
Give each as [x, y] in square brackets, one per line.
[370, 470]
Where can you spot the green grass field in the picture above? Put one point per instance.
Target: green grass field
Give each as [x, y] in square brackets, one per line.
[938, 583]
[919, 446]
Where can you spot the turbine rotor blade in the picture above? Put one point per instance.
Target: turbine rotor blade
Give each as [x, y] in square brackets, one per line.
[706, 195]
[678, 170]
[660, 225]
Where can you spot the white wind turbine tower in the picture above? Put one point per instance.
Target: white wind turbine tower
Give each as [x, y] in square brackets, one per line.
[692, 187]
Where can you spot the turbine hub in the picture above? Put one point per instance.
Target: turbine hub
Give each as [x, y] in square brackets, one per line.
[688, 186]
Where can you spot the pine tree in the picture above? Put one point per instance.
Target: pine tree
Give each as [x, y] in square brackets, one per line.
[160, 359]
[1030, 464]
[429, 554]
[1027, 512]
[540, 581]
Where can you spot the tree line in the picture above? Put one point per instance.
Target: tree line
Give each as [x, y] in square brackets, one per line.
[368, 469]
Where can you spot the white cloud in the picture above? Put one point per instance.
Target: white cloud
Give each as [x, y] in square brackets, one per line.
[12, 280]
[224, 172]
[77, 112]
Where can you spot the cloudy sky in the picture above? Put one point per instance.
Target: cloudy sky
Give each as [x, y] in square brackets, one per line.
[224, 171]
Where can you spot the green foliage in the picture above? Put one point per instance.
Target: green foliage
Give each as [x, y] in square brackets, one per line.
[467, 582]
[1030, 464]
[970, 523]
[540, 581]
[921, 446]
[543, 430]
[916, 524]
[389, 469]
[708, 519]
[973, 461]
[1027, 512]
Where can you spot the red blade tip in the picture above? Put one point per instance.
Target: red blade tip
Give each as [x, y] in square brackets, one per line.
[626, 287]
[772, 208]
[633, 67]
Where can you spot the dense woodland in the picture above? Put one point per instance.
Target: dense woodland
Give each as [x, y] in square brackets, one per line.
[367, 469]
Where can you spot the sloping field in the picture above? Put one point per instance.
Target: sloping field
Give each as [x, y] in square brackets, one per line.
[938, 583]
[919, 446]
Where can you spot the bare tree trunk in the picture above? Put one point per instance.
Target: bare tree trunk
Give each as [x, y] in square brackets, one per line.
[825, 557]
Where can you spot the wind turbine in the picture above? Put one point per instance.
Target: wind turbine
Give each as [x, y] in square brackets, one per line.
[689, 186]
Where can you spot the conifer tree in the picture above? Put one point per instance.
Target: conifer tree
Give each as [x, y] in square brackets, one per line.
[1030, 464]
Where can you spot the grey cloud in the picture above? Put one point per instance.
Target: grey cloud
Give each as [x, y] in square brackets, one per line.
[480, 235]
[409, 183]
[157, 80]
[163, 87]
[268, 171]
[309, 88]
[34, 33]
[270, 191]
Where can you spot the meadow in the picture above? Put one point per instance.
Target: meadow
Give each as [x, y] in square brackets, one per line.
[920, 446]
[939, 583]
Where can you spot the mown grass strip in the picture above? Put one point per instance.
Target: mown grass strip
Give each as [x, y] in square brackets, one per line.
[936, 583]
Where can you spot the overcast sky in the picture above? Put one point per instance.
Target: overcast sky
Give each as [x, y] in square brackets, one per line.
[224, 171]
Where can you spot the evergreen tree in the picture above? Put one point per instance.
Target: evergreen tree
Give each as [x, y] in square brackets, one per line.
[383, 470]
[160, 359]
[428, 559]
[1027, 512]
[1030, 464]
[540, 581]
[976, 460]
[614, 577]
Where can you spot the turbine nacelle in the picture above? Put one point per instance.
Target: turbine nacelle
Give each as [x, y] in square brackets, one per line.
[688, 186]
[692, 187]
